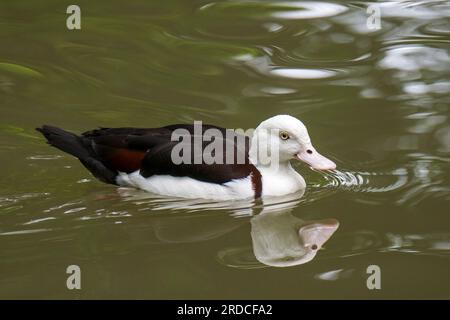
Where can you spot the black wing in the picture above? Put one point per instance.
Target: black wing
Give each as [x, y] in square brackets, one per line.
[150, 150]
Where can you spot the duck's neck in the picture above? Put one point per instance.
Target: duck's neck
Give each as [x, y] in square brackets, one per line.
[282, 169]
[278, 178]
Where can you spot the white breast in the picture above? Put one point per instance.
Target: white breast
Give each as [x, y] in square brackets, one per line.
[186, 187]
[276, 185]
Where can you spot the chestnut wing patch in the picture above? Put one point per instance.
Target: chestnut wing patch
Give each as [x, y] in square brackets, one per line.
[123, 149]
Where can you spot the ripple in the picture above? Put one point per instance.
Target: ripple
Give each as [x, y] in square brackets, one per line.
[75, 210]
[19, 70]
[260, 20]
[45, 157]
[255, 90]
[437, 28]
[433, 243]
[367, 181]
[277, 90]
[334, 275]
[364, 242]
[39, 220]
[264, 65]
[22, 232]
[253, 29]
[355, 243]
[293, 10]
[84, 180]
[415, 57]
[415, 9]
[64, 205]
[307, 10]
[240, 258]
[16, 199]
[273, 27]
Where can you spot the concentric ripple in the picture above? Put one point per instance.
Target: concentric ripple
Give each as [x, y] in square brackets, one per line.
[367, 181]
[296, 10]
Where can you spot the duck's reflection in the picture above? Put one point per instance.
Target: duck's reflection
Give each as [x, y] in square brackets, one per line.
[279, 238]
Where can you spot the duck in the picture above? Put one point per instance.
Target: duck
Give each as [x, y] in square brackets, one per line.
[173, 160]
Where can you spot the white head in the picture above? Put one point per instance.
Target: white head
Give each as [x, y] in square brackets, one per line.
[282, 138]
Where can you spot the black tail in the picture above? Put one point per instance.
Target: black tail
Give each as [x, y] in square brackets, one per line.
[76, 146]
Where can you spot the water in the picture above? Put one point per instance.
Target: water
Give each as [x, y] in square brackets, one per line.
[375, 101]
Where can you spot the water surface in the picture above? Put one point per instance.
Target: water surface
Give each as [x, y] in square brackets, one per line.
[374, 101]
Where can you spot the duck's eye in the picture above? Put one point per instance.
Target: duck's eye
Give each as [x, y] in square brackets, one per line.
[284, 135]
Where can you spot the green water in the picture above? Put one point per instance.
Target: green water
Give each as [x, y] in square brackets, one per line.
[374, 101]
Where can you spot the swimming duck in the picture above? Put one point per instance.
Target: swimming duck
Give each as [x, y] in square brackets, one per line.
[149, 158]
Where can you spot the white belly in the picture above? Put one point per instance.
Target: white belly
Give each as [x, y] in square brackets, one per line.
[186, 187]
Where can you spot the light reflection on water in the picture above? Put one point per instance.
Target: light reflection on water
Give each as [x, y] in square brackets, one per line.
[376, 101]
